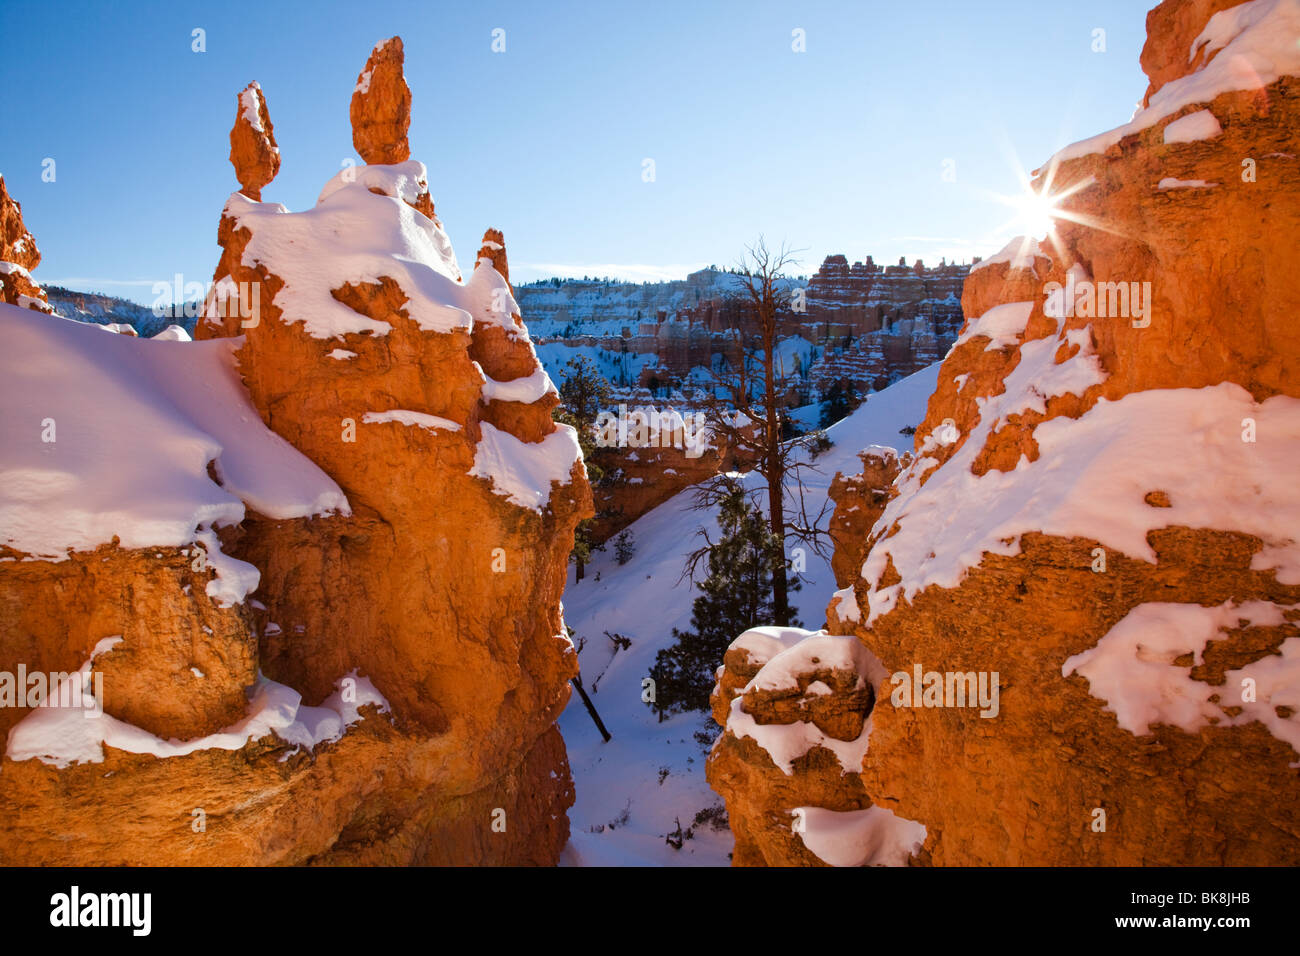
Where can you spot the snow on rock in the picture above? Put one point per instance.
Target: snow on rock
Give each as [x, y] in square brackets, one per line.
[1002, 325]
[63, 733]
[529, 388]
[1132, 668]
[1020, 253]
[403, 416]
[787, 658]
[785, 743]
[814, 651]
[354, 235]
[523, 471]
[870, 837]
[1247, 46]
[173, 333]
[766, 642]
[253, 151]
[112, 436]
[1170, 183]
[1091, 478]
[1193, 127]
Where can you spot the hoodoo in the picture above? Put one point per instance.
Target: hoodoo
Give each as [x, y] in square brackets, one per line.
[353, 609]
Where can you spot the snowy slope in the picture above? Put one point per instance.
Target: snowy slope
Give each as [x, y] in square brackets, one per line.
[105, 436]
[643, 601]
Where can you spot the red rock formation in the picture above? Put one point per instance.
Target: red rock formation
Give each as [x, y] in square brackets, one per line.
[253, 152]
[494, 250]
[859, 501]
[794, 709]
[419, 393]
[654, 468]
[18, 256]
[1091, 514]
[381, 106]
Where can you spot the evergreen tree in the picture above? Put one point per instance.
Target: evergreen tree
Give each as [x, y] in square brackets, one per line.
[624, 547]
[583, 394]
[736, 595]
[837, 404]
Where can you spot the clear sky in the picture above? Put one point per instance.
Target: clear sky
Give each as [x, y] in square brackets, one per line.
[840, 148]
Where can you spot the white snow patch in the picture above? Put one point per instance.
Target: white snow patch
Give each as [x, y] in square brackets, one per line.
[353, 235]
[173, 333]
[1020, 253]
[1193, 127]
[785, 743]
[402, 416]
[1132, 669]
[136, 422]
[1170, 183]
[250, 101]
[1092, 476]
[871, 837]
[814, 651]
[528, 389]
[523, 471]
[1002, 325]
[66, 735]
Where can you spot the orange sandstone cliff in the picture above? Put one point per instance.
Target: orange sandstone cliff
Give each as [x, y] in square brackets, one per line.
[378, 678]
[1101, 514]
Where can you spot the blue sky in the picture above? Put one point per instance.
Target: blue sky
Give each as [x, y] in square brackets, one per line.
[837, 149]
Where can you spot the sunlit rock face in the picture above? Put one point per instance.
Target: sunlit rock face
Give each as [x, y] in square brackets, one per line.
[1099, 510]
[430, 577]
[18, 256]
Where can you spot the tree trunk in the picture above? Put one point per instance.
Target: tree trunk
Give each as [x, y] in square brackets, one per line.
[775, 483]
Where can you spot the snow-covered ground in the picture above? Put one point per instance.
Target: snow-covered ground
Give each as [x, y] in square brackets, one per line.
[650, 775]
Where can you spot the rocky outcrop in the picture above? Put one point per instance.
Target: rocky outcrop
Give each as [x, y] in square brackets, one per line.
[431, 595]
[18, 256]
[253, 151]
[859, 501]
[1100, 520]
[674, 453]
[381, 106]
[794, 706]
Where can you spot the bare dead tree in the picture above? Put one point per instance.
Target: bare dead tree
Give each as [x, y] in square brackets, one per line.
[744, 407]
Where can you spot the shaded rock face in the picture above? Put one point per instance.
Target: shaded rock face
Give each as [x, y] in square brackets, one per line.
[18, 256]
[1083, 764]
[859, 501]
[818, 700]
[441, 587]
[381, 106]
[650, 477]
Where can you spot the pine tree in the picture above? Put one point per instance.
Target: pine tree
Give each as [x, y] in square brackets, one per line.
[837, 404]
[624, 547]
[584, 393]
[736, 595]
